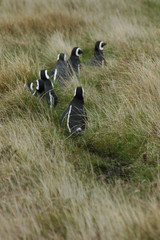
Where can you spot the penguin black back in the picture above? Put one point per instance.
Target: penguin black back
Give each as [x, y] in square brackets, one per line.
[39, 86]
[79, 94]
[60, 71]
[74, 61]
[44, 75]
[77, 116]
[98, 59]
[61, 57]
[48, 89]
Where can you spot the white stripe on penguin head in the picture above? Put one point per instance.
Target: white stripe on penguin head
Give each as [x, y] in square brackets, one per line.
[75, 92]
[77, 50]
[65, 57]
[100, 46]
[46, 74]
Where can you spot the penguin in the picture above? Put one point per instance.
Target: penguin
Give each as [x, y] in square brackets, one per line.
[29, 85]
[98, 59]
[60, 71]
[39, 85]
[43, 88]
[74, 62]
[48, 88]
[77, 116]
[36, 87]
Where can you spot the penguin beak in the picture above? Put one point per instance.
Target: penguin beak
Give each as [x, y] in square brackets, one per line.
[80, 51]
[103, 44]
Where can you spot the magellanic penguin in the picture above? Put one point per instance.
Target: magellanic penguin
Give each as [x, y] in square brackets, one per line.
[48, 89]
[43, 88]
[30, 86]
[77, 116]
[60, 71]
[98, 59]
[74, 62]
[36, 87]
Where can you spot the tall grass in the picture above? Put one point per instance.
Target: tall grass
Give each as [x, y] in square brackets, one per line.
[104, 184]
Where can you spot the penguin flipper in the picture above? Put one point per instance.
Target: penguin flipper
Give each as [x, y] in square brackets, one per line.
[64, 114]
[48, 98]
[47, 93]
[52, 72]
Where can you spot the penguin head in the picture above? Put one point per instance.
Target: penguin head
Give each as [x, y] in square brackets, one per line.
[29, 85]
[43, 75]
[79, 93]
[76, 51]
[61, 57]
[99, 45]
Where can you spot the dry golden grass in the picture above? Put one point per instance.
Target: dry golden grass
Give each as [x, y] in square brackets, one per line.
[43, 197]
[53, 186]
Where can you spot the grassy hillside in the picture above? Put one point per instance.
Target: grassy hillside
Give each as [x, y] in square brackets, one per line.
[104, 184]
